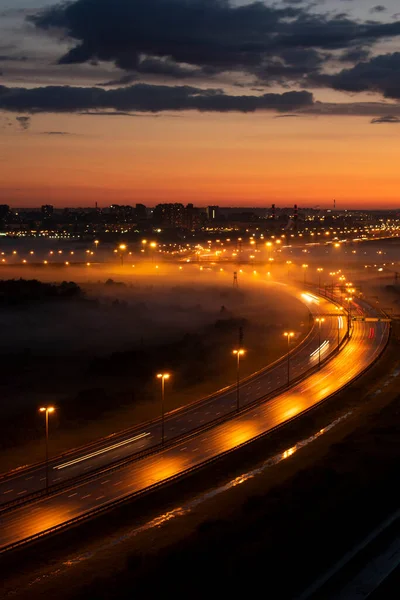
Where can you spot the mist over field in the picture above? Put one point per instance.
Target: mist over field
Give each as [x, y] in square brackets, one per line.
[117, 312]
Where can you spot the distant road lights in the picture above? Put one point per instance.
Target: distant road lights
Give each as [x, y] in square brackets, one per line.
[96, 243]
[288, 335]
[162, 377]
[319, 320]
[238, 353]
[47, 410]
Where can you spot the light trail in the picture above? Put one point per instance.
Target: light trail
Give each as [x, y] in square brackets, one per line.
[322, 347]
[102, 451]
[310, 298]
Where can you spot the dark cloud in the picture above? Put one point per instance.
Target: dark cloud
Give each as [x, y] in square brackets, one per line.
[285, 116]
[379, 8]
[386, 119]
[144, 98]
[362, 109]
[23, 122]
[354, 55]
[12, 58]
[55, 133]
[379, 74]
[211, 34]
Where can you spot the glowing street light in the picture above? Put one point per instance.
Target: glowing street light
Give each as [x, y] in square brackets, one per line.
[163, 377]
[319, 320]
[238, 353]
[47, 410]
[288, 335]
[96, 243]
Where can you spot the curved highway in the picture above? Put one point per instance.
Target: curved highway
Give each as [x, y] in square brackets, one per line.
[82, 461]
[367, 341]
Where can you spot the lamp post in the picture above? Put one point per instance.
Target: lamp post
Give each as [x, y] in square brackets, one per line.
[349, 299]
[320, 269]
[305, 269]
[338, 329]
[163, 377]
[238, 353]
[47, 410]
[122, 248]
[288, 262]
[319, 320]
[153, 246]
[288, 335]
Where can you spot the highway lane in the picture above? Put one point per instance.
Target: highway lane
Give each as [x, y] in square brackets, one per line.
[184, 420]
[135, 477]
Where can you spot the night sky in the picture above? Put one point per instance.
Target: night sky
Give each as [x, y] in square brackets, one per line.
[204, 101]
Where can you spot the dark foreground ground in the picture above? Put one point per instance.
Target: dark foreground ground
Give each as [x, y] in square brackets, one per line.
[270, 536]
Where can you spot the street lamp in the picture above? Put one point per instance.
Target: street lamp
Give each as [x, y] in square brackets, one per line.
[238, 353]
[122, 248]
[349, 299]
[319, 320]
[320, 269]
[288, 335]
[47, 410]
[96, 243]
[163, 377]
[288, 262]
[153, 245]
[305, 269]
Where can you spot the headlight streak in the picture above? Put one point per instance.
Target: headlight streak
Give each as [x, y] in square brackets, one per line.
[75, 461]
[310, 298]
[321, 348]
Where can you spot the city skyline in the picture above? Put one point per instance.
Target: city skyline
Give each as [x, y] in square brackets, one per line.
[247, 104]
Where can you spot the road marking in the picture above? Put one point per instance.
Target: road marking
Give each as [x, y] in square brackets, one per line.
[74, 494]
[106, 481]
[8, 491]
[87, 496]
[23, 492]
[182, 449]
[100, 497]
[28, 478]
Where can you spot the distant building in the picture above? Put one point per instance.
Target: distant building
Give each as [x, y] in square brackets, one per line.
[47, 211]
[212, 213]
[169, 215]
[195, 218]
[141, 212]
[4, 211]
[122, 213]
